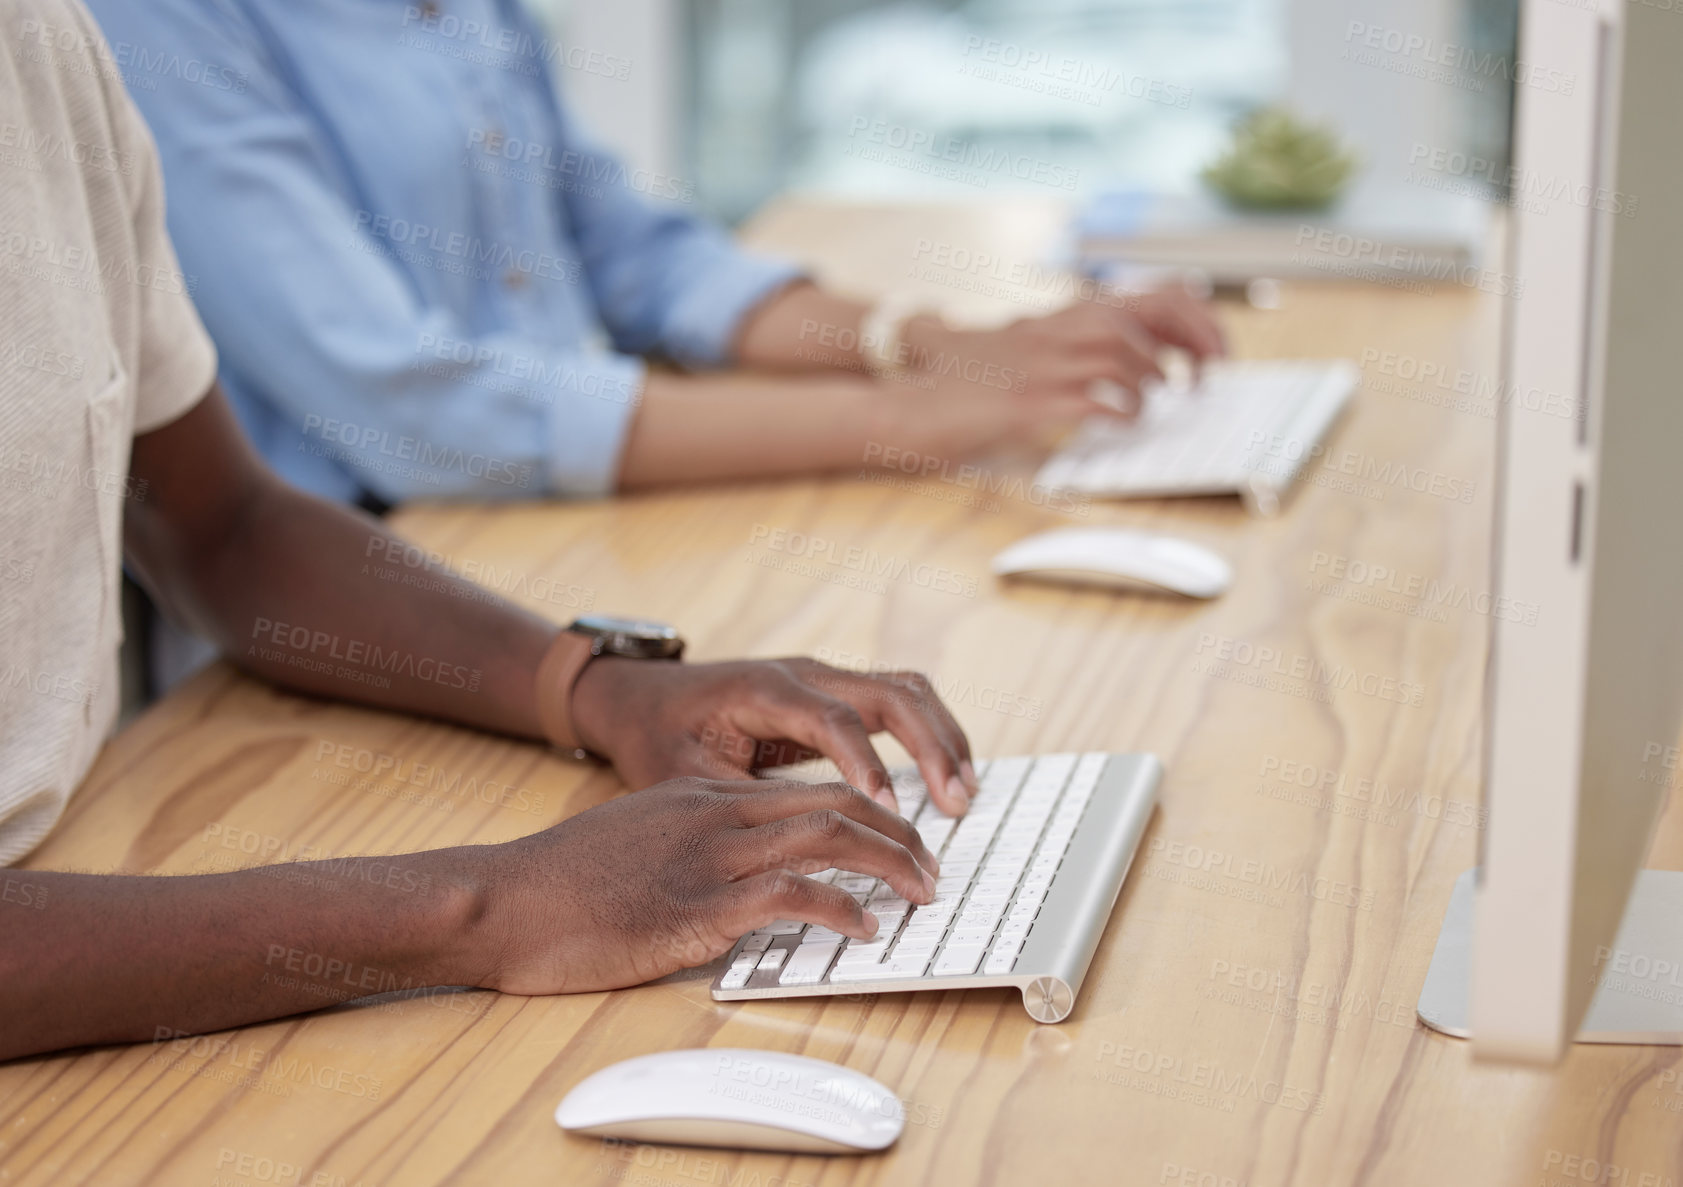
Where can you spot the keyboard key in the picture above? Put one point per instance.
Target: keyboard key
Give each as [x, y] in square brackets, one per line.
[773, 960]
[1087, 772]
[857, 953]
[1030, 898]
[741, 968]
[1005, 774]
[782, 927]
[808, 964]
[935, 832]
[756, 941]
[918, 945]
[893, 970]
[1002, 872]
[959, 961]
[1053, 769]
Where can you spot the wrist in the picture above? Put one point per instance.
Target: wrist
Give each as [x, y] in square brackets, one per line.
[595, 697]
[926, 340]
[454, 943]
[893, 421]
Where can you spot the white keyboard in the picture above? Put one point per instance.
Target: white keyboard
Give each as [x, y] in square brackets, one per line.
[1028, 878]
[1244, 428]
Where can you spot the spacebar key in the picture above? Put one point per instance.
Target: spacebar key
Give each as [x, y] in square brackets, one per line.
[893, 970]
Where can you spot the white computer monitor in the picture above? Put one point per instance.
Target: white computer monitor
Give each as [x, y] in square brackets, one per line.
[1560, 933]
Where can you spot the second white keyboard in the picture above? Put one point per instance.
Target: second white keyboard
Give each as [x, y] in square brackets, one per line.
[1244, 428]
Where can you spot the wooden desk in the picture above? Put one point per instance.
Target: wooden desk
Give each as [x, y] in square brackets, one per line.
[1249, 1015]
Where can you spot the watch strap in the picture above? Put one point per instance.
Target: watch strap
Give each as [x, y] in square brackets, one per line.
[569, 652]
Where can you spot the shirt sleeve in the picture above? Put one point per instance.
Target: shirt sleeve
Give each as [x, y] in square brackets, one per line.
[664, 280]
[177, 358]
[309, 309]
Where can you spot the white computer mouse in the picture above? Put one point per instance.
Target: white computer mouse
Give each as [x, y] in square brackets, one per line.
[1117, 557]
[728, 1096]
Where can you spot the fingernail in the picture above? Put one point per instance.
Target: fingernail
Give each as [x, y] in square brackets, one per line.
[968, 774]
[928, 884]
[870, 922]
[961, 797]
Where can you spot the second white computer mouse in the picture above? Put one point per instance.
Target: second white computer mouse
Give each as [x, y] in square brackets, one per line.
[729, 1096]
[1117, 557]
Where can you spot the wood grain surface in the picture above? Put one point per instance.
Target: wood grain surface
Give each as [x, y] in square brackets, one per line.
[1249, 1015]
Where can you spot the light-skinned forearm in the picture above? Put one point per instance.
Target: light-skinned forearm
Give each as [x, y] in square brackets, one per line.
[807, 328]
[89, 958]
[701, 428]
[801, 328]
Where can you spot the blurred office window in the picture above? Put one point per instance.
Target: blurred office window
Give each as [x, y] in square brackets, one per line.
[619, 64]
[970, 98]
[943, 99]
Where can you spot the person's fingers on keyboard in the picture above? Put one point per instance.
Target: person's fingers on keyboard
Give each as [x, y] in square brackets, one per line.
[1115, 333]
[785, 707]
[783, 754]
[780, 799]
[1112, 392]
[930, 733]
[1062, 353]
[718, 761]
[827, 838]
[906, 704]
[1180, 319]
[1076, 407]
[765, 898]
[728, 753]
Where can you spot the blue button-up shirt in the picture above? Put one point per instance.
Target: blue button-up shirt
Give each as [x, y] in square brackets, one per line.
[422, 279]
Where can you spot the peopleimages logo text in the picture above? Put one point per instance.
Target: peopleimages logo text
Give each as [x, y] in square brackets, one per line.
[326, 647]
[1309, 670]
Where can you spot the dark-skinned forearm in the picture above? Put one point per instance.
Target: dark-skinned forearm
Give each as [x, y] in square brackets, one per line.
[87, 958]
[295, 595]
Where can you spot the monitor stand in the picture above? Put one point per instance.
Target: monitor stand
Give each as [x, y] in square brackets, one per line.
[1640, 996]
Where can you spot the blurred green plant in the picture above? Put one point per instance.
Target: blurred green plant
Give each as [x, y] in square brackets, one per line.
[1278, 161]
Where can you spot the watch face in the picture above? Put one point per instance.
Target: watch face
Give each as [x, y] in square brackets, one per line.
[630, 636]
[636, 628]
